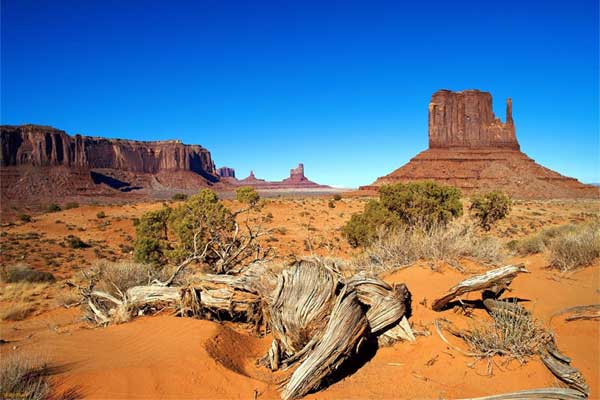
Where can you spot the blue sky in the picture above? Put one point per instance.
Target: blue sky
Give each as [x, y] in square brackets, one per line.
[342, 86]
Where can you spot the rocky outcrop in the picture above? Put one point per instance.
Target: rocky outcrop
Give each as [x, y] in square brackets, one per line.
[226, 172]
[296, 180]
[43, 146]
[473, 150]
[466, 120]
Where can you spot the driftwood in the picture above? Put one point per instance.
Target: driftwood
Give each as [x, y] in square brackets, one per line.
[565, 372]
[318, 318]
[555, 361]
[589, 312]
[494, 281]
[544, 393]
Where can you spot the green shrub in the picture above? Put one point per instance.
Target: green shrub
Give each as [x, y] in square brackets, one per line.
[490, 207]
[100, 214]
[247, 194]
[363, 228]
[24, 273]
[422, 203]
[71, 205]
[24, 217]
[74, 242]
[201, 215]
[337, 197]
[151, 245]
[54, 207]
[179, 197]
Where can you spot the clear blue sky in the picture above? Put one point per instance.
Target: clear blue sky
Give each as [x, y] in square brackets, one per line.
[342, 86]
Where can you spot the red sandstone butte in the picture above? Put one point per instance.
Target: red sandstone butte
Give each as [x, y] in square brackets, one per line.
[296, 180]
[473, 150]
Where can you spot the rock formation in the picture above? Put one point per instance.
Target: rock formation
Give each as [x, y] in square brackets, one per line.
[41, 162]
[472, 149]
[46, 146]
[466, 120]
[296, 180]
[226, 172]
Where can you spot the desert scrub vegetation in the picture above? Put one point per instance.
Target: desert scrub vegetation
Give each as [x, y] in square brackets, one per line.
[513, 333]
[24, 273]
[448, 243]
[179, 197]
[420, 204]
[487, 208]
[570, 246]
[247, 194]
[24, 217]
[22, 378]
[200, 230]
[53, 208]
[100, 214]
[576, 248]
[21, 299]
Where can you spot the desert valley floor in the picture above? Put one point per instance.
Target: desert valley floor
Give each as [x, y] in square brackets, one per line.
[163, 356]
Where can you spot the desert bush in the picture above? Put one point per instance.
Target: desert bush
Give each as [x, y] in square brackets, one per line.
[405, 245]
[247, 194]
[200, 216]
[54, 207]
[530, 245]
[490, 207]
[422, 203]
[179, 197]
[575, 249]
[151, 245]
[363, 228]
[71, 205]
[331, 204]
[201, 229]
[75, 242]
[24, 273]
[513, 334]
[112, 277]
[22, 378]
[24, 217]
[100, 214]
[337, 197]
[17, 311]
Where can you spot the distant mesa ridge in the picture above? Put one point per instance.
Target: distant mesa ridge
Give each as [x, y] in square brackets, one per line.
[469, 147]
[46, 146]
[296, 180]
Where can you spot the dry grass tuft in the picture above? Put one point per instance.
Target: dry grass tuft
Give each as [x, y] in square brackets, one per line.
[440, 243]
[577, 248]
[514, 334]
[22, 300]
[24, 273]
[113, 277]
[23, 378]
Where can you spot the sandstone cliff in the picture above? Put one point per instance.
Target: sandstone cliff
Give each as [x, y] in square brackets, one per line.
[43, 146]
[473, 150]
[466, 119]
[226, 172]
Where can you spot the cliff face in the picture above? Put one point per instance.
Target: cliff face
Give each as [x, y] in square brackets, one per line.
[226, 172]
[466, 120]
[45, 146]
[473, 150]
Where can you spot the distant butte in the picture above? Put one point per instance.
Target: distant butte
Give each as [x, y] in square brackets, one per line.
[472, 149]
[296, 180]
